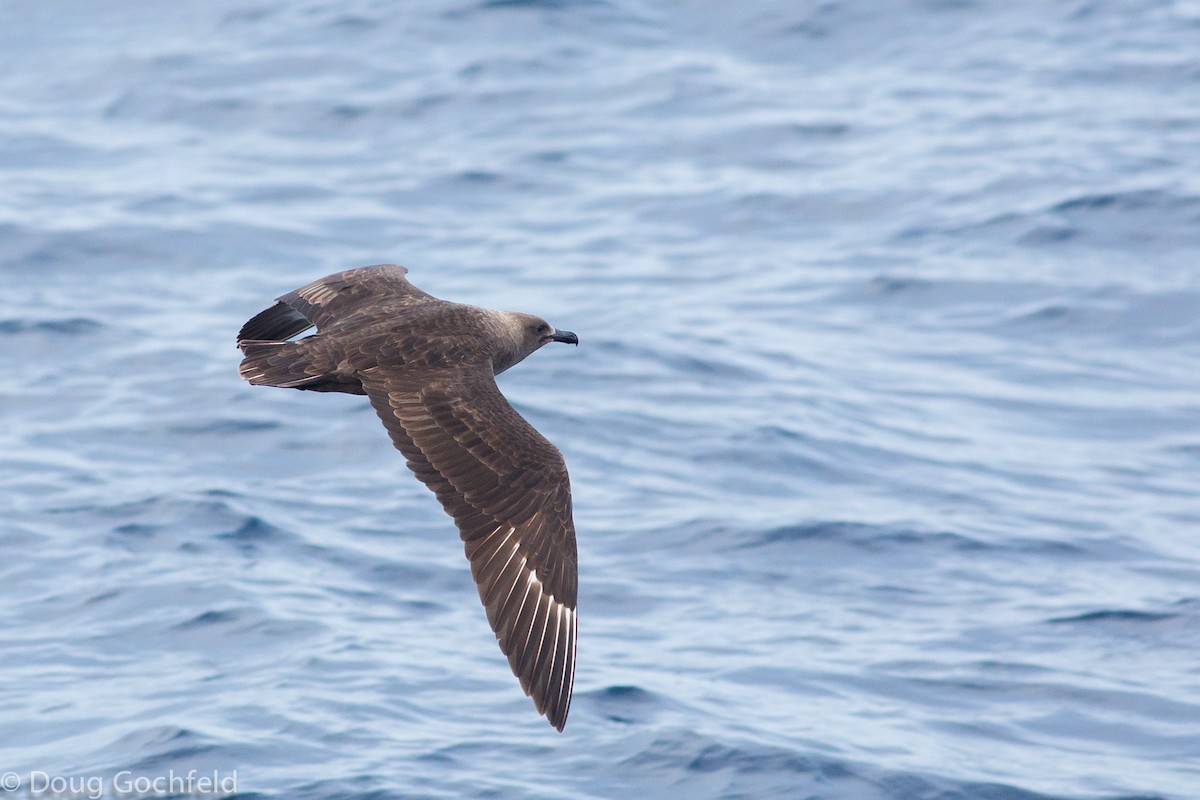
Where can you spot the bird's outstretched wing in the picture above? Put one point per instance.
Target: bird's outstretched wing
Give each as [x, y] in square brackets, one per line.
[334, 298]
[507, 488]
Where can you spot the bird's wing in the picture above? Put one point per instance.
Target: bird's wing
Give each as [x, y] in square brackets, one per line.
[333, 297]
[507, 488]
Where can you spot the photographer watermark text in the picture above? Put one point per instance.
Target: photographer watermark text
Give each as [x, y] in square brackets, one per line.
[126, 784]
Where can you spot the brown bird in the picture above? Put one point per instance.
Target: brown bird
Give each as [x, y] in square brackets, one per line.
[428, 367]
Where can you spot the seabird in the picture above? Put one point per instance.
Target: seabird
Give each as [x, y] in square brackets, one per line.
[428, 367]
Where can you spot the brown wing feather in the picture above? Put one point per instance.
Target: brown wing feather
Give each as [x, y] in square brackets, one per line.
[334, 298]
[507, 488]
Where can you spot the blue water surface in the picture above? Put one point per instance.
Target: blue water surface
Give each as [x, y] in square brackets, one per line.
[884, 428]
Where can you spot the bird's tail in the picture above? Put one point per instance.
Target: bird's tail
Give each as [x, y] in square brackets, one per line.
[277, 364]
[272, 358]
[295, 365]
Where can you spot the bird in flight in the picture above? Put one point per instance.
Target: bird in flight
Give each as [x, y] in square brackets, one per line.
[428, 367]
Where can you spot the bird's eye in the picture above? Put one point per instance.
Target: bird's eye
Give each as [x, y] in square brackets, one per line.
[543, 328]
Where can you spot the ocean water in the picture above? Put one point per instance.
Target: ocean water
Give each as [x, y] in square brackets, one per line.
[884, 428]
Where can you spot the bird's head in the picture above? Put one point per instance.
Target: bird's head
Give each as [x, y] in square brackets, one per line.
[539, 332]
[527, 333]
